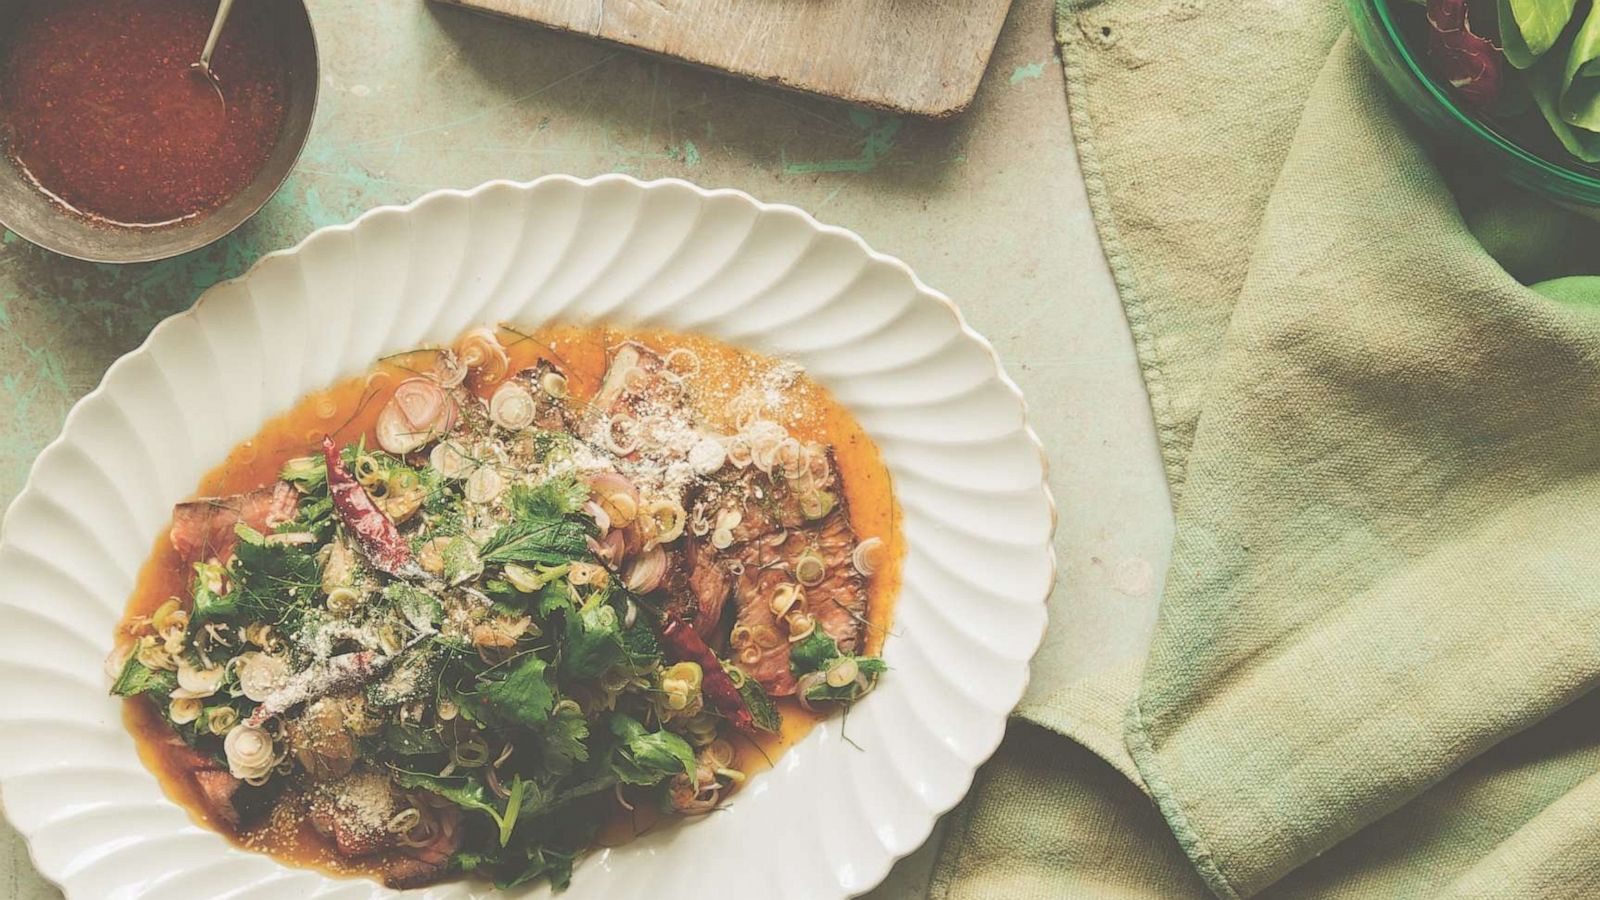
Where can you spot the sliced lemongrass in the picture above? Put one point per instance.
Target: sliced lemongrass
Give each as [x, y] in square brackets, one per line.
[842, 672]
[784, 599]
[668, 518]
[484, 485]
[739, 453]
[681, 362]
[800, 625]
[809, 569]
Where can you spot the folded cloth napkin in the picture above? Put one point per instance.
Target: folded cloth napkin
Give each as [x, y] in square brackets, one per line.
[1381, 625]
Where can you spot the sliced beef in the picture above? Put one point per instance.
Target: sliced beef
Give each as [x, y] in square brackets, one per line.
[226, 798]
[708, 583]
[417, 866]
[838, 603]
[762, 648]
[217, 790]
[354, 812]
[204, 529]
[696, 589]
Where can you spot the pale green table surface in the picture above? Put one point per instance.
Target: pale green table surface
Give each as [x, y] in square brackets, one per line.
[989, 208]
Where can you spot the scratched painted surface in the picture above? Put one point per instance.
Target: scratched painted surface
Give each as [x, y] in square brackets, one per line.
[989, 208]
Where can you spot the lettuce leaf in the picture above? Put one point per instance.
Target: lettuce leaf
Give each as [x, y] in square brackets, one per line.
[1529, 28]
[1580, 92]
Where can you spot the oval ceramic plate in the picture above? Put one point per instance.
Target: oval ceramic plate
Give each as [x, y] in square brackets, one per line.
[836, 812]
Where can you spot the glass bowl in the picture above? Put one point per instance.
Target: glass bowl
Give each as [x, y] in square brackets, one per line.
[1380, 36]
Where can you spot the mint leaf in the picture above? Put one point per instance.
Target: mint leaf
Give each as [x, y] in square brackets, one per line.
[136, 679]
[648, 757]
[760, 705]
[412, 740]
[813, 653]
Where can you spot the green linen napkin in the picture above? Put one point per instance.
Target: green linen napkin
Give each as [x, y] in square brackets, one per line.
[1381, 625]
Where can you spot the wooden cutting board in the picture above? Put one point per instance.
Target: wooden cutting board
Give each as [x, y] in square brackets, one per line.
[917, 57]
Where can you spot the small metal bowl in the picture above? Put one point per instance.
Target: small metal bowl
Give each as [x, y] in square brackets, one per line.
[36, 218]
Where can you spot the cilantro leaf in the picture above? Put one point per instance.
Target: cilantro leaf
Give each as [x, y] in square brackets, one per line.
[562, 739]
[136, 679]
[648, 757]
[593, 640]
[557, 595]
[557, 496]
[523, 698]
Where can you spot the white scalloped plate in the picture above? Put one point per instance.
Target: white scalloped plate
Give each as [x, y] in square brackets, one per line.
[830, 819]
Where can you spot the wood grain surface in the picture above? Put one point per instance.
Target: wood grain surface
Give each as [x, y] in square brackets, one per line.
[914, 57]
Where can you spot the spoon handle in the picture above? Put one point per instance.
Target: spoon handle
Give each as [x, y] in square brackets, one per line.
[223, 8]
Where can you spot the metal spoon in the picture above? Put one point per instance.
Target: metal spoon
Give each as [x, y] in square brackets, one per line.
[204, 65]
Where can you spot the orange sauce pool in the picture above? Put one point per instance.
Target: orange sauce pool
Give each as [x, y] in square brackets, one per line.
[349, 411]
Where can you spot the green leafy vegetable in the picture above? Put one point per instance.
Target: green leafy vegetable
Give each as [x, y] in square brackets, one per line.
[1580, 94]
[760, 705]
[523, 698]
[411, 740]
[422, 610]
[543, 528]
[562, 737]
[1529, 28]
[136, 679]
[1544, 82]
[467, 793]
[648, 757]
[267, 579]
[593, 640]
[871, 666]
[811, 654]
[818, 653]
[558, 496]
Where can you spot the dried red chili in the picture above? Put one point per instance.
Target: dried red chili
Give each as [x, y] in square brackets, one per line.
[684, 645]
[374, 532]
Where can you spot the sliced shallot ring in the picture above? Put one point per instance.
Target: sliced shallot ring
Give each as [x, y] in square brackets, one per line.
[867, 555]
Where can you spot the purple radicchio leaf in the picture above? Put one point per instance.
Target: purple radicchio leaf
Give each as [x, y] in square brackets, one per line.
[1471, 63]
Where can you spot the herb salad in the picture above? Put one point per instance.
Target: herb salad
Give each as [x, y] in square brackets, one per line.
[524, 595]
